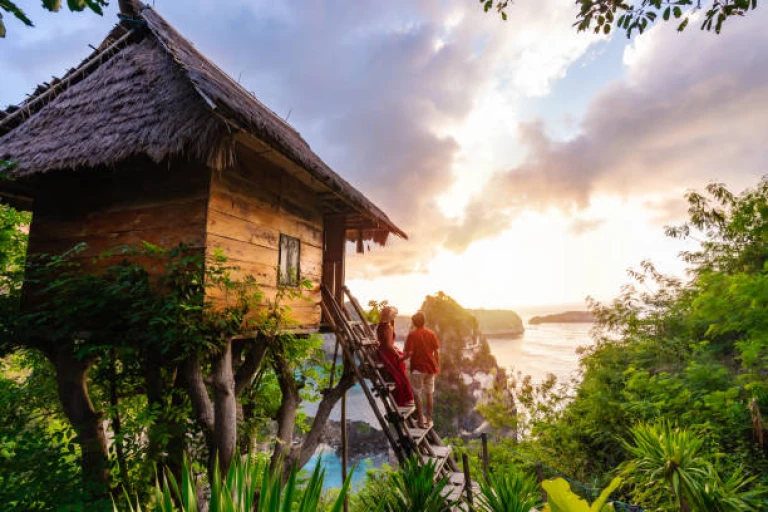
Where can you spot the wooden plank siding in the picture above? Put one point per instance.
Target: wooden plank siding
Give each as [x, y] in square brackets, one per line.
[105, 209]
[250, 206]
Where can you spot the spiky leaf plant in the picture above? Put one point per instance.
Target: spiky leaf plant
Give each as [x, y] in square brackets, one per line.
[414, 489]
[248, 486]
[511, 491]
[666, 458]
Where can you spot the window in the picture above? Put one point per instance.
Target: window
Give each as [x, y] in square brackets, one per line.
[290, 250]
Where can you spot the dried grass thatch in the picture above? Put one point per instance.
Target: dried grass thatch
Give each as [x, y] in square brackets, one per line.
[158, 96]
[134, 104]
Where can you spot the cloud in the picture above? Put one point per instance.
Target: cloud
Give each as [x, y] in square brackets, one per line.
[371, 85]
[690, 110]
[581, 226]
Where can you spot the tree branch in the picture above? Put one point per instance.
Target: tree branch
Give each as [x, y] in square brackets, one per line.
[304, 452]
[257, 351]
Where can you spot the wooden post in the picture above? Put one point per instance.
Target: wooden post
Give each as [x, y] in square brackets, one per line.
[484, 438]
[467, 480]
[540, 479]
[334, 244]
[344, 447]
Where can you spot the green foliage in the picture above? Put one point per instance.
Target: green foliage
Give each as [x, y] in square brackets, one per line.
[249, 485]
[39, 458]
[515, 404]
[602, 16]
[374, 489]
[692, 353]
[50, 5]
[13, 248]
[508, 491]
[670, 468]
[666, 461]
[454, 325]
[562, 499]
[374, 310]
[412, 489]
[135, 322]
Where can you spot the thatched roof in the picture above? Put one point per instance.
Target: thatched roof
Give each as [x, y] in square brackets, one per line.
[148, 91]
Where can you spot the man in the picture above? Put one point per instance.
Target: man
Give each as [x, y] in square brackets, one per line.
[421, 347]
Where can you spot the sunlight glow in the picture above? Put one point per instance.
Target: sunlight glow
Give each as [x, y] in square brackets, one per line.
[540, 260]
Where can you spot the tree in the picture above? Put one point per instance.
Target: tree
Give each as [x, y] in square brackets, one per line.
[690, 352]
[144, 345]
[602, 16]
[51, 5]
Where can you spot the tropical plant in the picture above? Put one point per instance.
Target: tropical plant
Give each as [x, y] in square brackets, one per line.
[562, 499]
[508, 491]
[671, 461]
[250, 485]
[413, 489]
[731, 495]
[666, 460]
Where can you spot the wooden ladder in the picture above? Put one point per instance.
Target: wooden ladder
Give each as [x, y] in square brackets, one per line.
[360, 346]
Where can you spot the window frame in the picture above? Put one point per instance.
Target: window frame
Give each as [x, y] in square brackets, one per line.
[288, 280]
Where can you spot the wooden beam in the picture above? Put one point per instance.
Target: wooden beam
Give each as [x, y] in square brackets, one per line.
[17, 196]
[334, 245]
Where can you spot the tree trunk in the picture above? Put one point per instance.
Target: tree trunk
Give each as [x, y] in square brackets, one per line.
[286, 414]
[225, 419]
[217, 418]
[301, 454]
[71, 380]
[286, 423]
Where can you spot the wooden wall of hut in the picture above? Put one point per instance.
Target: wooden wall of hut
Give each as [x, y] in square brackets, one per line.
[250, 206]
[107, 208]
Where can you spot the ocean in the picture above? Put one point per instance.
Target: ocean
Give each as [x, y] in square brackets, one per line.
[542, 349]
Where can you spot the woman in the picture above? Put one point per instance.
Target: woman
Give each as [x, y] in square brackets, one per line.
[392, 358]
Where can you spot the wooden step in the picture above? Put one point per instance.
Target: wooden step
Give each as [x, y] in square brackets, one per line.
[441, 451]
[440, 457]
[389, 386]
[439, 463]
[418, 434]
[405, 412]
[453, 493]
[456, 478]
[370, 367]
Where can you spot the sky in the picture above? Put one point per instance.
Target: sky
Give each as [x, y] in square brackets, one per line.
[529, 164]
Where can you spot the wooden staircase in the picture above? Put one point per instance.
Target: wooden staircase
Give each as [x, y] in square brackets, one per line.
[359, 345]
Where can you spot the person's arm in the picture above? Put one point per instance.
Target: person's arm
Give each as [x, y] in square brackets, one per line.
[408, 348]
[436, 352]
